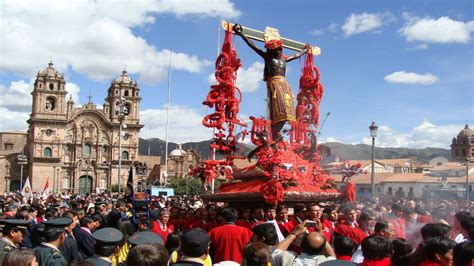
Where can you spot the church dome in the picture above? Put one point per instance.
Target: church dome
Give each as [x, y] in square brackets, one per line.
[124, 78]
[466, 132]
[178, 151]
[50, 71]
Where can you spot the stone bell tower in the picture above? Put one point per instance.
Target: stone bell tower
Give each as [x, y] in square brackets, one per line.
[49, 95]
[126, 89]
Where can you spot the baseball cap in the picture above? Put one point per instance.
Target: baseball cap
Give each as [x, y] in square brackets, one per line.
[195, 242]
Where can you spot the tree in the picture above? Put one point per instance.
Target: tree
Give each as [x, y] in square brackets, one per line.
[189, 186]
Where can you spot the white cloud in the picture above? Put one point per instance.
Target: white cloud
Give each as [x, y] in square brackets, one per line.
[441, 30]
[331, 139]
[422, 136]
[185, 124]
[333, 27]
[95, 38]
[73, 92]
[365, 22]
[13, 120]
[411, 78]
[248, 80]
[17, 97]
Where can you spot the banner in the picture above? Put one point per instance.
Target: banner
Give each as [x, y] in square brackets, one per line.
[46, 190]
[26, 191]
[129, 191]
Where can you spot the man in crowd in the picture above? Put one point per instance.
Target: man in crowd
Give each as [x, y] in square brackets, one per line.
[195, 247]
[229, 240]
[53, 235]
[106, 244]
[161, 226]
[13, 230]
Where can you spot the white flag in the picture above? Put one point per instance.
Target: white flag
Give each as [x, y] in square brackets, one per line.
[26, 191]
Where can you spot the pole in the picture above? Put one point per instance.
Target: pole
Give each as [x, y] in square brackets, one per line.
[120, 154]
[21, 177]
[467, 179]
[372, 174]
[167, 121]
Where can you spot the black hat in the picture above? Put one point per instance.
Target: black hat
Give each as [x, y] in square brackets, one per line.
[9, 224]
[195, 242]
[57, 223]
[107, 236]
[145, 237]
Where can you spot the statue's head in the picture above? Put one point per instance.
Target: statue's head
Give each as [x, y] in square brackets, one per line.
[272, 39]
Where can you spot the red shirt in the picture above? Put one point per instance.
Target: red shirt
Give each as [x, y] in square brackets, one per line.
[357, 235]
[162, 232]
[229, 241]
[286, 227]
[246, 223]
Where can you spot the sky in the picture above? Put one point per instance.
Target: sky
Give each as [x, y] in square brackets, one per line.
[407, 65]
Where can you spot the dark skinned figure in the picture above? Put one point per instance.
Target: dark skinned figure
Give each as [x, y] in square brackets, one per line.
[280, 96]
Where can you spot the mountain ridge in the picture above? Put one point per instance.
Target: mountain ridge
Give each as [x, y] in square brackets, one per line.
[341, 150]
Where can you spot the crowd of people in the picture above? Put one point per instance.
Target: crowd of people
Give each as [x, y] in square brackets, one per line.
[103, 229]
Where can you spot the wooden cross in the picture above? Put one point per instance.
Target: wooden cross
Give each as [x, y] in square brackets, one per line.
[90, 98]
[259, 36]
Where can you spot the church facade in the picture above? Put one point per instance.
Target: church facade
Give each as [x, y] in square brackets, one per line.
[78, 148]
[462, 146]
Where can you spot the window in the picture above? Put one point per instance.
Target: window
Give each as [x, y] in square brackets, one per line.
[8, 146]
[87, 150]
[390, 191]
[125, 155]
[400, 189]
[50, 103]
[47, 152]
[126, 93]
[51, 86]
[411, 189]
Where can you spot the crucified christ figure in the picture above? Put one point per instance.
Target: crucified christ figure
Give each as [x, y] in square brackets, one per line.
[280, 96]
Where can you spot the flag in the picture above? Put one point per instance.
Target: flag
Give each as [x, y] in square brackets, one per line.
[129, 190]
[26, 191]
[46, 190]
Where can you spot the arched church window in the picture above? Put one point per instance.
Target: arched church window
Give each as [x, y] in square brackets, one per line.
[126, 93]
[116, 92]
[87, 150]
[51, 86]
[40, 85]
[47, 152]
[125, 155]
[136, 94]
[126, 108]
[50, 103]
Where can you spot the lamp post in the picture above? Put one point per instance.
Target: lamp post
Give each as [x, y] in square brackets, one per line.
[21, 160]
[373, 134]
[121, 116]
[467, 178]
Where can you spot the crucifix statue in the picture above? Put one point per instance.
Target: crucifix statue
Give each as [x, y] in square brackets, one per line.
[280, 96]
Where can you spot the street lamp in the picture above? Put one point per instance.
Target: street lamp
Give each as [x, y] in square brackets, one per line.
[121, 117]
[373, 134]
[467, 178]
[21, 160]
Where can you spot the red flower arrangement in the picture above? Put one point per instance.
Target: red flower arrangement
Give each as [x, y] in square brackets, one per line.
[272, 192]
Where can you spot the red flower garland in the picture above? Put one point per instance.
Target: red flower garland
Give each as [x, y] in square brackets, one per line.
[272, 192]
